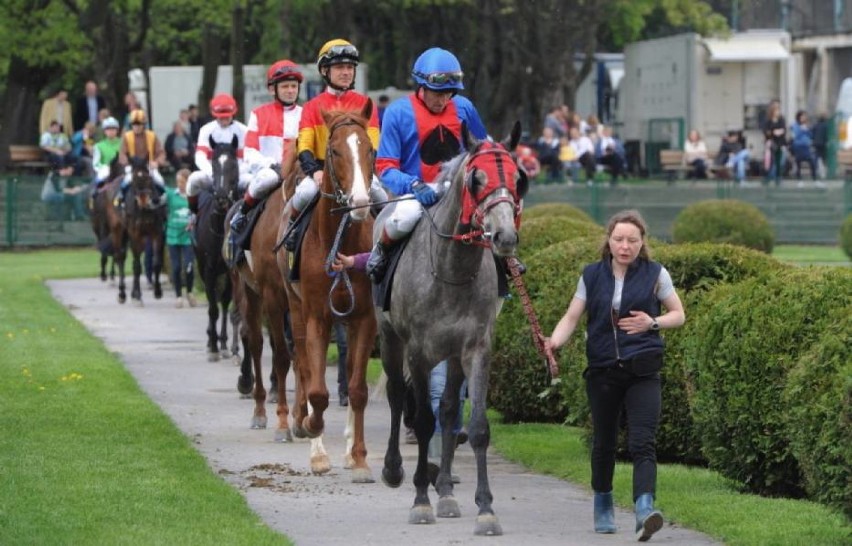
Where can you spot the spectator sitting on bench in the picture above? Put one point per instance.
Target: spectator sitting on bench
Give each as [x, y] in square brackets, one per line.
[56, 192]
[57, 149]
[609, 152]
[695, 156]
[734, 155]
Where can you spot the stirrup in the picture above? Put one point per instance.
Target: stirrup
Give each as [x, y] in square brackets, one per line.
[292, 235]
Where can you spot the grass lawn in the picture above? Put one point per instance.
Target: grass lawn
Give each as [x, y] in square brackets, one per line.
[810, 254]
[87, 458]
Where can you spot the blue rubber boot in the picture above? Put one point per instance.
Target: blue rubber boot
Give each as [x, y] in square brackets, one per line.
[604, 513]
[648, 520]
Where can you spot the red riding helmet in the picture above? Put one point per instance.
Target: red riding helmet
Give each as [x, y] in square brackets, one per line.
[223, 105]
[283, 70]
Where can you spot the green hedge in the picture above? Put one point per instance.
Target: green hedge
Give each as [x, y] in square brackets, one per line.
[695, 269]
[549, 210]
[748, 338]
[819, 395]
[724, 221]
[846, 236]
[544, 231]
[520, 384]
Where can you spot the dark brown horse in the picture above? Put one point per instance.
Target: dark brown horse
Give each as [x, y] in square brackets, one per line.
[103, 220]
[261, 295]
[144, 220]
[316, 298]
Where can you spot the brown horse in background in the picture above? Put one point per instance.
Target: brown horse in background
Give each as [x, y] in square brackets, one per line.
[104, 218]
[315, 299]
[143, 220]
[260, 294]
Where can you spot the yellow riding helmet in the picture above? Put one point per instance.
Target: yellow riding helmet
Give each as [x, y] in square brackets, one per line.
[337, 51]
[138, 116]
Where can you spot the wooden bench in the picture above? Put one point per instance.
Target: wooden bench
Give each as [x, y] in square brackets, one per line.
[28, 158]
[844, 164]
[671, 163]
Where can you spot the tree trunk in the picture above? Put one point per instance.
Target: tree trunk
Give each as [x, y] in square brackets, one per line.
[238, 59]
[21, 106]
[211, 55]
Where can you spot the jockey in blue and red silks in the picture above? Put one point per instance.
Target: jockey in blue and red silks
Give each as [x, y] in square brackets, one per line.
[419, 133]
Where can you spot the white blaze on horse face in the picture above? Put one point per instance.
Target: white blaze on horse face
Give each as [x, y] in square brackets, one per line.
[358, 196]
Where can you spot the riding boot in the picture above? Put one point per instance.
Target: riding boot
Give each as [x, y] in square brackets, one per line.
[292, 235]
[604, 513]
[238, 224]
[648, 520]
[377, 263]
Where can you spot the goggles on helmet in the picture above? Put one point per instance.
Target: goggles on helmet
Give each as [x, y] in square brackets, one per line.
[441, 78]
[342, 50]
[285, 71]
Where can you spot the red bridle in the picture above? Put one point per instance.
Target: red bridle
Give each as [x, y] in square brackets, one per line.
[500, 169]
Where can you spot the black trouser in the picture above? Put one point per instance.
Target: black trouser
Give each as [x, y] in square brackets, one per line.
[608, 390]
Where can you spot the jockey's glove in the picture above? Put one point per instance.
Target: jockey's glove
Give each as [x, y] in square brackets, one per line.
[424, 194]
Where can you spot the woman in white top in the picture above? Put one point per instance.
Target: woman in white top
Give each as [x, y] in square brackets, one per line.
[695, 155]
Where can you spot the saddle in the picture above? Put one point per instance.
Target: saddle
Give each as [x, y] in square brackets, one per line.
[382, 291]
[300, 227]
[242, 241]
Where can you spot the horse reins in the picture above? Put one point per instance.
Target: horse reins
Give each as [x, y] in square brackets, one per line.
[338, 275]
[538, 337]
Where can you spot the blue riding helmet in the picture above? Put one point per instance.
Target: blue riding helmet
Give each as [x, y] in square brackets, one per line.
[438, 70]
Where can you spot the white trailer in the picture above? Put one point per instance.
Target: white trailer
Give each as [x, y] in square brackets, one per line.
[683, 82]
[173, 88]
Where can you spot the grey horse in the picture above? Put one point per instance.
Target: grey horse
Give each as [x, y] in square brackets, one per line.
[443, 306]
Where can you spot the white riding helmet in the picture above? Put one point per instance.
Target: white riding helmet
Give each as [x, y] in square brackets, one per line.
[110, 123]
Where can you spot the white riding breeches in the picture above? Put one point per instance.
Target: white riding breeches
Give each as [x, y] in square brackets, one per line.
[307, 189]
[199, 180]
[404, 217]
[155, 176]
[262, 183]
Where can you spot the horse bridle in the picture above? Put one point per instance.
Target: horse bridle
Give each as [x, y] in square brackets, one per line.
[339, 196]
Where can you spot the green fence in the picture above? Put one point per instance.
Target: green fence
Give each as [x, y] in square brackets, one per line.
[32, 217]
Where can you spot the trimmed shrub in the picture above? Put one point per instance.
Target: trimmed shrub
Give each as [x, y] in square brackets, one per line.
[750, 336]
[520, 386]
[819, 395]
[724, 221]
[846, 236]
[549, 210]
[544, 231]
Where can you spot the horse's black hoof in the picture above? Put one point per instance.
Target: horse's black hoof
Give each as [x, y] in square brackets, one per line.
[393, 478]
[244, 385]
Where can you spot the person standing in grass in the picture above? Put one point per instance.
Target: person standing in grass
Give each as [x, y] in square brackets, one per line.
[179, 239]
[623, 293]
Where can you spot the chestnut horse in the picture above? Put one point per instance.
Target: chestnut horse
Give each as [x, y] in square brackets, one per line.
[444, 306]
[261, 295]
[316, 298]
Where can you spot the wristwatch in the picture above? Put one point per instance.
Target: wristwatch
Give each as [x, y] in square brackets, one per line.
[655, 325]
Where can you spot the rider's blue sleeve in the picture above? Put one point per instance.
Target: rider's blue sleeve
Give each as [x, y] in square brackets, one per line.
[469, 115]
[396, 126]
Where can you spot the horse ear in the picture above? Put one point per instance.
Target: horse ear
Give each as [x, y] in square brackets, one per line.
[235, 142]
[367, 111]
[523, 183]
[511, 141]
[326, 117]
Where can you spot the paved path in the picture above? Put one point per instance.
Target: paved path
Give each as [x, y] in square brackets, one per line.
[163, 348]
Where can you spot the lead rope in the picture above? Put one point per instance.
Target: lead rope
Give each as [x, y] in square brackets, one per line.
[338, 275]
[550, 361]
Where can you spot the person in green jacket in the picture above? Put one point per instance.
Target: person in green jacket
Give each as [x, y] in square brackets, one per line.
[105, 151]
[179, 239]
